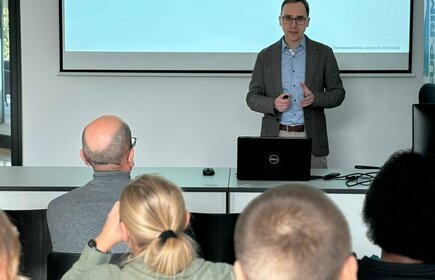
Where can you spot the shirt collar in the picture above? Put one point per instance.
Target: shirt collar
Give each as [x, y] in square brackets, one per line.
[284, 46]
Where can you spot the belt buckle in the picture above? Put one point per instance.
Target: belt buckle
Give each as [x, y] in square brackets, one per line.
[287, 127]
[294, 128]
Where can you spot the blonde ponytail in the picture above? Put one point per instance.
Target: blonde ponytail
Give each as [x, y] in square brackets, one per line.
[153, 210]
[172, 256]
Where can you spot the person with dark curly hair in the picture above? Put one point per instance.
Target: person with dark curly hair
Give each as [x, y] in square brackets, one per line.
[399, 211]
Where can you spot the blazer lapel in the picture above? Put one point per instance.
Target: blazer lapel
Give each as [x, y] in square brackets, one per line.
[312, 55]
[275, 62]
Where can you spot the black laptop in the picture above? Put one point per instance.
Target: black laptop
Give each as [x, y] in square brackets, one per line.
[273, 158]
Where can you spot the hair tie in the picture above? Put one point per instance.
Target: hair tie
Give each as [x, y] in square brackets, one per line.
[166, 235]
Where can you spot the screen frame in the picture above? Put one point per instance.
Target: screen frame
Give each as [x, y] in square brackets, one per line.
[65, 70]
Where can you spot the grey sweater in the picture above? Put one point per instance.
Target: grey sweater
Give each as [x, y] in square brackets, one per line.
[78, 216]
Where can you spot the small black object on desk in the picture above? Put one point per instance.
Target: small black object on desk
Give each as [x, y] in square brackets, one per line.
[331, 176]
[366, 167]
[208, 171]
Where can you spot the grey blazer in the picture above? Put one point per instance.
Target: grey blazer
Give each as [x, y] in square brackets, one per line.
[322, 77]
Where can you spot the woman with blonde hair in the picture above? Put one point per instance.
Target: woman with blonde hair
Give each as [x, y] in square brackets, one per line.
[9, 249]
[150, 217]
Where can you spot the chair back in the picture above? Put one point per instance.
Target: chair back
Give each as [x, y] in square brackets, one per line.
[58, 263]
[215, 235]
[427, 94]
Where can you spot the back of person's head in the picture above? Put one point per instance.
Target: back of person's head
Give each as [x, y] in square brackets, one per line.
[399, 207]
[293, 232]
[154, 212]
[9, 249]
[106, 140]
[307, 6]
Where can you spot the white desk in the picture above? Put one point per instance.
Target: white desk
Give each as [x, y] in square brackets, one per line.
[32, 188]
[26, 191]
[349, 200]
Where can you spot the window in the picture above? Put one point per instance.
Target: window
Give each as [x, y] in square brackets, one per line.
[5, 93]
[10, 84]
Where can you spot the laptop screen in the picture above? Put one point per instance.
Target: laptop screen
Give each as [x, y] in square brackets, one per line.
[273, 158]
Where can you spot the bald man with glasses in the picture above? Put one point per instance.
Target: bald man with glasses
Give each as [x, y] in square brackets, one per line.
[75, 217]
[293, 81]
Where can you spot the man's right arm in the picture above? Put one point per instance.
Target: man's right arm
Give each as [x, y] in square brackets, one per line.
[257, 98]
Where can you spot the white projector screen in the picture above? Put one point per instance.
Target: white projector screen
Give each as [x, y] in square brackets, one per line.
[225, 36]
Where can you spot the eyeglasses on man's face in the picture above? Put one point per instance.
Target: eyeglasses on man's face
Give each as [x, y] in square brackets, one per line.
[300, 20]
[133, 141]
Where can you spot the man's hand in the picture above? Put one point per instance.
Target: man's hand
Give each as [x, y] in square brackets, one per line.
[282, 102]
[308, 96]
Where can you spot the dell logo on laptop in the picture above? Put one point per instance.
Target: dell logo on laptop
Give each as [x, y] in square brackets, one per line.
[274, 159]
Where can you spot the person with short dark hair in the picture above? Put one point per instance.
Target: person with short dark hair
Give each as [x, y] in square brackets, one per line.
[293, 232]
[399, 211]
[107, 146]
[293, 81]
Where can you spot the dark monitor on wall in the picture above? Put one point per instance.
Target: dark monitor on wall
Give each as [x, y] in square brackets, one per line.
[423, 128]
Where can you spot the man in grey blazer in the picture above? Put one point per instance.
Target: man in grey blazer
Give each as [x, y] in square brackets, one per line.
[76, 217]
[293, 81]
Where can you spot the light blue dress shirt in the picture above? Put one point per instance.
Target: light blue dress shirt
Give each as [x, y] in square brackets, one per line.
[292, 74]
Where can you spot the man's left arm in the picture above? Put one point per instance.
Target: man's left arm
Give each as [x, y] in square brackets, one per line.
[333, 92]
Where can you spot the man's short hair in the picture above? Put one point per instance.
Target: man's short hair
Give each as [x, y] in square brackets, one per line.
[399, 207]
[114, 152]
[307, 6]
[292, 232]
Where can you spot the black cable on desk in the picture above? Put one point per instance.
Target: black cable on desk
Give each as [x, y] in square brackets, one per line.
[358, 178]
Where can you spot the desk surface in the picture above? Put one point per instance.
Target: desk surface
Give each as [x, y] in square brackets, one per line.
[24, 178]
[31, 188]
[25, 187]
[191, 179]
[337, 186]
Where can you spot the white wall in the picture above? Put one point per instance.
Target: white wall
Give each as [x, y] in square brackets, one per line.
[191, 121]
